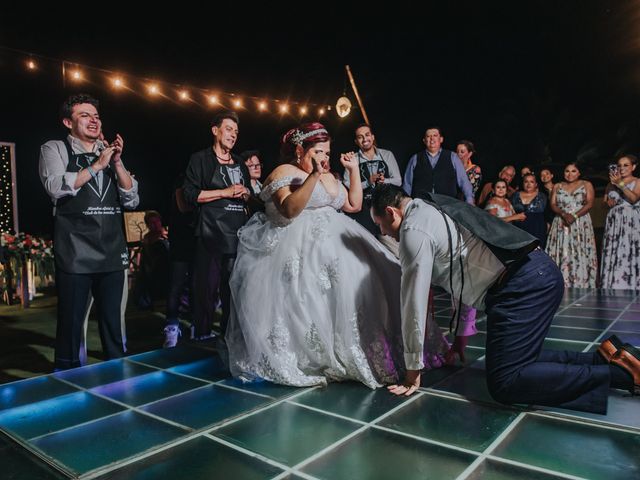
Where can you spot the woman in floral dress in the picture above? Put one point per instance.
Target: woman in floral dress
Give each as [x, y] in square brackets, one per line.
[571, 242]
[465, 151]
[621, 241]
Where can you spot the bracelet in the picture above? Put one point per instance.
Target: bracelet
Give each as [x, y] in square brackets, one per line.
[574, 216]
[621, 184]
[92, 172]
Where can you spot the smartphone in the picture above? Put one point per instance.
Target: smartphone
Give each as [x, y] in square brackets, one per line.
[613, 168]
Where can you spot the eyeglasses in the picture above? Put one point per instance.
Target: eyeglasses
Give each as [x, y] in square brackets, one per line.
[255, 165]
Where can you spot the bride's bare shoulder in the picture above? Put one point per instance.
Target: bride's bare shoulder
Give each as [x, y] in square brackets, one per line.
[281, 171]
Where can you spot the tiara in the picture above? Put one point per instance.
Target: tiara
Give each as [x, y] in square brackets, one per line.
[298, 137]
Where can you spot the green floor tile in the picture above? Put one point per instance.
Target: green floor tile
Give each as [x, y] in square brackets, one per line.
[103, 373]
[18, 464]
[606, 303]
[471, 383]
[553, 344]
[147, 388]
[48, 416]
[287, 433]
[433, 376]
[211, 369]
[376, 454]
[478, 340]
[563, 333]
[100, 443]
[591, 312]
[493, 470]
[622, 410]
[459, 423]
[595, 323]
[206, 406]
[263, 387]
[197, 459]
[573, 448]
[23, 392]
[353, 400]
[170, 357]
[626, 326]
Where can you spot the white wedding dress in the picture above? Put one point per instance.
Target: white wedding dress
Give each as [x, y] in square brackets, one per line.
[315, 298]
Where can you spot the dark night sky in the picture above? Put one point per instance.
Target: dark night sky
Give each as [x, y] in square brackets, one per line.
[527, 82]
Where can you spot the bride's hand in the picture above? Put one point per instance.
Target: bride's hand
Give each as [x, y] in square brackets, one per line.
[349, 161]
[315, 167]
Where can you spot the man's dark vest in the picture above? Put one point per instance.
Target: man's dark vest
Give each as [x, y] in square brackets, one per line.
[440, 179]
[505, 241]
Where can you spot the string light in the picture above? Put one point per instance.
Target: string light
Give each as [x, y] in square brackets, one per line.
[80, 72]
[6, 190]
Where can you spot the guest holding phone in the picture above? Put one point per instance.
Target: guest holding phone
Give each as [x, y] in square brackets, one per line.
[620, 261]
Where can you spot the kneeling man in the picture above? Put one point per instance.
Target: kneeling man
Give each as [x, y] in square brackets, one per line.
[490, 265]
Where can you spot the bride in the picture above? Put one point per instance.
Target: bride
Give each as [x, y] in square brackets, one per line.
[315, 297]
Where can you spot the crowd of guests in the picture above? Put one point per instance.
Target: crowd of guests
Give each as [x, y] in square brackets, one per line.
[557, 214]
[308, 295]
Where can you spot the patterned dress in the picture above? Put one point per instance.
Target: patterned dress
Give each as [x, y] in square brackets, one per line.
[474, 172]
[573, 247]
[621, 244]
[316, 298]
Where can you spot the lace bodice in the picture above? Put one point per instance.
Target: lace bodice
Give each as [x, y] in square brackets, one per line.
[319, 198]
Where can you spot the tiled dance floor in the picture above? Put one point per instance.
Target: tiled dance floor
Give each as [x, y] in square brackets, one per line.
[176, 414]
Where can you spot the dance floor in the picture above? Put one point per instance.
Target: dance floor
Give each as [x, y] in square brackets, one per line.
[176, 414]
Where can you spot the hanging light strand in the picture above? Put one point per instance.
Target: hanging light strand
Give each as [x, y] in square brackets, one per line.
[76, 74]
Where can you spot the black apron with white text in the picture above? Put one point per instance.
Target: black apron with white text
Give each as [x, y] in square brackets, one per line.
[88, 228]
[221, 219]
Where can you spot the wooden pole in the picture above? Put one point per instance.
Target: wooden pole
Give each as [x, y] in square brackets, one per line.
[355, 90]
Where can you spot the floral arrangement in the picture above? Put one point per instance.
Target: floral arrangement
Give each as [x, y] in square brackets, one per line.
[26, 258]
[23, 246]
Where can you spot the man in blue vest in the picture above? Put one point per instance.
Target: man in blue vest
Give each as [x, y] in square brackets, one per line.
[493, 265]
[436, 170]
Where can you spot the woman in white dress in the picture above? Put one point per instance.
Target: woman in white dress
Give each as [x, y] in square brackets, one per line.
[315, 296]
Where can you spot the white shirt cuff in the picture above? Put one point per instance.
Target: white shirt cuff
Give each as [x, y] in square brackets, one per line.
[413, 361]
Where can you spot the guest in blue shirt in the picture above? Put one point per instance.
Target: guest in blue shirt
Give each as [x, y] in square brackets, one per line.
[436, 170]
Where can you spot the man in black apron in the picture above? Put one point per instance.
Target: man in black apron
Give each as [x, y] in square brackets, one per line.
[217, 183]
[89, 186]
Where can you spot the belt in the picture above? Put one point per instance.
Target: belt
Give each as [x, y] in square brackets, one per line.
[508, 272]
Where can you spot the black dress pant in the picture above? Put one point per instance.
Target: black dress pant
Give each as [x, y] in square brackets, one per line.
[74, 298]
[519, 315]
[211, 273]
